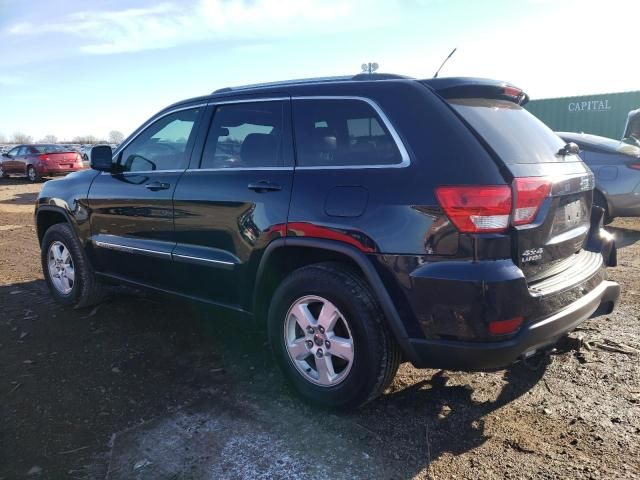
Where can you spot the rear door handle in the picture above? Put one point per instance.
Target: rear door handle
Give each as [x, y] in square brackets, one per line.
[264, 186]
[154, 186]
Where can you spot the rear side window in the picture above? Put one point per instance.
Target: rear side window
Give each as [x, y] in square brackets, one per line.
[335, 132]
[246, 135]
[514, 134]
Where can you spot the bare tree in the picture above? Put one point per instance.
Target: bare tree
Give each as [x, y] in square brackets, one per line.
[49, 139]
[3, 139]
[87, 139]
[115, 136]
[19, 137]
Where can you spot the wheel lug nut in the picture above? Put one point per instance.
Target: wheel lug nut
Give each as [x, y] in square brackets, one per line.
[327, 344]
[309, 343]
[321, 329]
[319, 353]
[310, 330]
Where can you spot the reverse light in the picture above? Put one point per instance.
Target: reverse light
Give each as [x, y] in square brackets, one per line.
[504, 327]
[530, 193]
[476, 209]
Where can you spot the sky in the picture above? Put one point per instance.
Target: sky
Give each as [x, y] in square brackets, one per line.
[82, 67]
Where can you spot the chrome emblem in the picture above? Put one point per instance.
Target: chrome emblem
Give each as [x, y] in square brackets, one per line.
[532, 255]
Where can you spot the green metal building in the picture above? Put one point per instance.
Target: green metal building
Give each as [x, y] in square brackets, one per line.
[602, 114]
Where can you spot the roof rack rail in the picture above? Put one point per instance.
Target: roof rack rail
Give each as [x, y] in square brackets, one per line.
[304, 81]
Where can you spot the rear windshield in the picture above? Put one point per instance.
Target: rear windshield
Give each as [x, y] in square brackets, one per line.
[50, 148]
[514, 134]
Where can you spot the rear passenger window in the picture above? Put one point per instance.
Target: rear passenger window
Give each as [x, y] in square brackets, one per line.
[334, 132]
[246, 135]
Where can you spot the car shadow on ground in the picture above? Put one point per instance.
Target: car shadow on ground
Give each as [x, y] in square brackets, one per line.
[94, 373]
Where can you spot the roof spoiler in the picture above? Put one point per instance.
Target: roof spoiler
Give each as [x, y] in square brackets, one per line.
[468, 87]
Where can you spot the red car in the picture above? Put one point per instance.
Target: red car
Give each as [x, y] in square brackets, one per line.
[37, 161]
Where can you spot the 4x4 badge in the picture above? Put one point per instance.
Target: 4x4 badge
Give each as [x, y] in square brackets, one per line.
[532, 255]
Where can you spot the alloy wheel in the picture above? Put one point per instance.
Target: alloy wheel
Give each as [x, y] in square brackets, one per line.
[319, 341]
[61, 269]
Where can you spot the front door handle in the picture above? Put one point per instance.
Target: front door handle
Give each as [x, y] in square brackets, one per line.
[264, 186]
[154, 186]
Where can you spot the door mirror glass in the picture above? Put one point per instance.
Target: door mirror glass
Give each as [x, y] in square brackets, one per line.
[101, 158]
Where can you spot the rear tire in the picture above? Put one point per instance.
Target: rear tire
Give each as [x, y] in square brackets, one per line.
[32, 175]
[66, 269]
[600, 201]
[357, 321]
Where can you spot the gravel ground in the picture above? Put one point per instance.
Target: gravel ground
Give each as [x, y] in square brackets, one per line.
[147, 387]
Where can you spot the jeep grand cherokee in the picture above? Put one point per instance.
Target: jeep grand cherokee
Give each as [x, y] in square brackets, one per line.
[365, 221]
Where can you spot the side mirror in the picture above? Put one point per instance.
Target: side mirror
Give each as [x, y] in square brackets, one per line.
[6, 155]
[101, 158]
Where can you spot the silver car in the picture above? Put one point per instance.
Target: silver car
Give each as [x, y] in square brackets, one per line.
[616, 166]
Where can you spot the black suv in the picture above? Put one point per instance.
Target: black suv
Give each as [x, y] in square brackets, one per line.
[365, 221]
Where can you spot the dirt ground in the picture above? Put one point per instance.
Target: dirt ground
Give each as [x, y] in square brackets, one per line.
[154, 388]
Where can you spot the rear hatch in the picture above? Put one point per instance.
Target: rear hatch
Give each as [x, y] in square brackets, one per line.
[553, 228]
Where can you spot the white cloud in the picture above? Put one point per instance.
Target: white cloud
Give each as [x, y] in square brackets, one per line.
[167, 24]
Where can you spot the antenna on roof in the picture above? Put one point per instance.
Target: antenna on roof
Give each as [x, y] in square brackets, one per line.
[369, 68]
[445, 61]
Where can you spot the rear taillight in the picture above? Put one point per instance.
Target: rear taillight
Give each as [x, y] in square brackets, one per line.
[488, 208]
[530, 193]
[634, 165]
[476, 209]
[43, 158]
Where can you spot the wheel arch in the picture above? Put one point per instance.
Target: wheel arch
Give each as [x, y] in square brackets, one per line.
[284, 255]
[47, 216]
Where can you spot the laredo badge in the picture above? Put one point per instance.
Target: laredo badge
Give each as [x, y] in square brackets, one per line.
[532, 255]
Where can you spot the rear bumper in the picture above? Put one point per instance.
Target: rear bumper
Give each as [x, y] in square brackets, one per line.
[459, 355]
[50, 170]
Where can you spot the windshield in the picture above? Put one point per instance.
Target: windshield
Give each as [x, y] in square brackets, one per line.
[50, 148]
[515, 134]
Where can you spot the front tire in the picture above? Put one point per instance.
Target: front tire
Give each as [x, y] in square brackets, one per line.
[3, 174]
[329, 336]
[66, 269]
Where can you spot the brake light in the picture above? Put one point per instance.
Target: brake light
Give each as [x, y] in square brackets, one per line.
[488, 208]
[504, 327]
[476, 209]
[530, 193]
[634, 165]
[43, 157]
